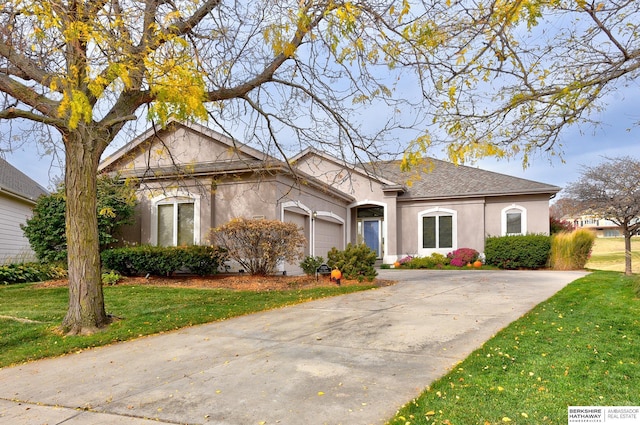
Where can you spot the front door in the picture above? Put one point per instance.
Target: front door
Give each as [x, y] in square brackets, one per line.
[371, 235]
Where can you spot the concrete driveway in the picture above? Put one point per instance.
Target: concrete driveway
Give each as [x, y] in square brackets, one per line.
[353, 359]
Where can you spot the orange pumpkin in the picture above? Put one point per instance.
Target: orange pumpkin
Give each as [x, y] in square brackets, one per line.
[396, 264]
[336, 274]
[477, 264]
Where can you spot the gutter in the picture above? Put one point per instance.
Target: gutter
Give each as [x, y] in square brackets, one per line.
[18, 195]
[550, 192]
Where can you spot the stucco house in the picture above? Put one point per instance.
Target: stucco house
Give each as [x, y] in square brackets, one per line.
[192, 179]
[18, 195]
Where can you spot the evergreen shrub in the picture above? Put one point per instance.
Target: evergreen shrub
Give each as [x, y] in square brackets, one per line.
[164, 261]
[518, 252]
[31, 272]
[310, 264]
[355, 262]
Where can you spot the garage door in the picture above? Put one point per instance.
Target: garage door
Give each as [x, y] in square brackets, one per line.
[299, 220]
[329, 234]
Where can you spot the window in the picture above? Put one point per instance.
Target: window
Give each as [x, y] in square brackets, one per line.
[175, 221]
[514, 220]
[175, 224]
[437, 231]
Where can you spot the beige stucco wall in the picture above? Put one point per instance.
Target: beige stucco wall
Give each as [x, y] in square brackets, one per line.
[470, 224]
[346, 180]
[537, 208]
[187, 147]
[151, 192]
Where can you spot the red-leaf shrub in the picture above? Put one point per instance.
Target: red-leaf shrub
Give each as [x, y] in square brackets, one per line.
[463, 256]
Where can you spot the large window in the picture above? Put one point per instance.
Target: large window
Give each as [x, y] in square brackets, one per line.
[514, 220]
[175, 221]
[175, 224]
[437, 231]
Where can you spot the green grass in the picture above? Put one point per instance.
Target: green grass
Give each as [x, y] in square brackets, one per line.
[141, 310]
[608, 254]
[580, 347]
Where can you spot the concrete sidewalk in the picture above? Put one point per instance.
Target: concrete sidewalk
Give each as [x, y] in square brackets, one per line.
[353, 359]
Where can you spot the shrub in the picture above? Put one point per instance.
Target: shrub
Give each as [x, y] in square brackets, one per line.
[355, 262]
[310, 264]
[45, 230]
[571, 250]
[110, 278]
[463, 256]
[433, 261]
[30, 272]
[516, 252]
[556, 225]
[163, 261]
[259, 245]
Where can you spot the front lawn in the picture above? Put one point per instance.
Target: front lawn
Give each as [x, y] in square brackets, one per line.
[579, 348]
[29, 314]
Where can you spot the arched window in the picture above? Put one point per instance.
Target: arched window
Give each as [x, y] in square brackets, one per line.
[514, 220]
[438, 231]
[175, 220]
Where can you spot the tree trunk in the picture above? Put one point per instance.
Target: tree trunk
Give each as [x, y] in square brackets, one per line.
[86, 313]
[627, 251]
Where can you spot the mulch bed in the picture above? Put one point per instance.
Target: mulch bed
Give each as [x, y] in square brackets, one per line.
[239, 282]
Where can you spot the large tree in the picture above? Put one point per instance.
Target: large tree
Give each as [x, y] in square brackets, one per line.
[297, 70]
[611, 190]
[88, 68]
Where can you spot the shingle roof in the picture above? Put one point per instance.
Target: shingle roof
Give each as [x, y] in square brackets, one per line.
[16, 182]
[441, 179]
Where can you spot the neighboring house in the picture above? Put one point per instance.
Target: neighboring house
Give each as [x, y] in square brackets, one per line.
[602, 227]
[18, 195]
[193, 178]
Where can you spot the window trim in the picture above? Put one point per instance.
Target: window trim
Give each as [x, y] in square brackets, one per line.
[433, 212]
[175, 198]
[523, 219]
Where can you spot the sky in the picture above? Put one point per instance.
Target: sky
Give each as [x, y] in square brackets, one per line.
[618, 135]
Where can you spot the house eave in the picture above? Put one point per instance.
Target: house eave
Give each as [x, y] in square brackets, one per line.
[17, 195]
[550, 192]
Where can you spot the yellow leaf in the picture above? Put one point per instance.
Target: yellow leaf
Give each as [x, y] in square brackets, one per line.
[320, 393]
[506, 419]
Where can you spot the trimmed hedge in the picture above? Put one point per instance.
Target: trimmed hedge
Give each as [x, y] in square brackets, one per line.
[164, 261]
[518, 252]
[30, 272]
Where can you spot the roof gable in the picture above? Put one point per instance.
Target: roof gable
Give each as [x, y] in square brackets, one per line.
[179, 143]
[15, 182]
[333, 170]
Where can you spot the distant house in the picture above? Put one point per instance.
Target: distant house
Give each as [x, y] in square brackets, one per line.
[18, 195]
[602, 227]
[192, 178]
